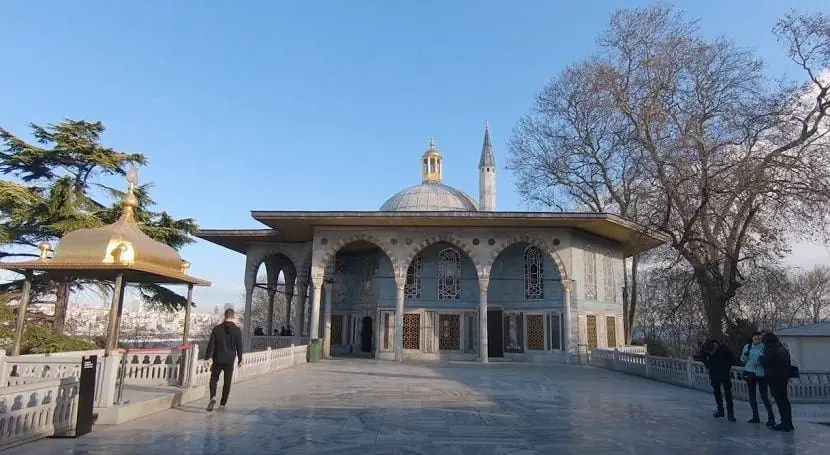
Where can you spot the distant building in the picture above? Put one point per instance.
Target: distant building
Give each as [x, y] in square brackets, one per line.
[809, 345]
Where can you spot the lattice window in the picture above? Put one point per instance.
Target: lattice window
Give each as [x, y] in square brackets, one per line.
[449, 335]
[336, 330]
[411, 331]
[340, 277]
[513, 340]
[449, 274]
[534, 274]
[611, 331]
[590, 259]
[555, 325]
[610, 279]
[535, 332]
[369, 265]
[387, 330]
[412, 290]
[591, 328]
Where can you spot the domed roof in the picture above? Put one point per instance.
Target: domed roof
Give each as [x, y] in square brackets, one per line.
[430, 197]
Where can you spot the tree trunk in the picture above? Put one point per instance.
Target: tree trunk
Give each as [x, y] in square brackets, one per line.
[630, 299]
[714, 301]
[61, 305]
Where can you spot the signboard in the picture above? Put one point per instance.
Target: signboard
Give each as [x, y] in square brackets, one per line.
[86, 395]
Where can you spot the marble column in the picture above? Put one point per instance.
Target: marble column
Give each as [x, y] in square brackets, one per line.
[313, 325]
[399, 298]
[247, 319]
[269, 323]
[482, 321]
[299, 316]
[566, 319]
[327, 323]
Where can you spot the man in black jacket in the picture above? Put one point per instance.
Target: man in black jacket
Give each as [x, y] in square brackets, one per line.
[718, 359]
[224, 347]
[776, 362]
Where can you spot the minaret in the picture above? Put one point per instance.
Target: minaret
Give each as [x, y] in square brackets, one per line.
[487, 175]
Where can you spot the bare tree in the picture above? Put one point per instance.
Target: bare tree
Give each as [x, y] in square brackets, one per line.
[812, 291]
[694, 138]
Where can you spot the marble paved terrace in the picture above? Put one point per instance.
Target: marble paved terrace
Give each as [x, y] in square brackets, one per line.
[366, 407]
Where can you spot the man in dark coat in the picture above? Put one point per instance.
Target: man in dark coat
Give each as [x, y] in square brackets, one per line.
[718, 359]
[776, 362]
[224, 347]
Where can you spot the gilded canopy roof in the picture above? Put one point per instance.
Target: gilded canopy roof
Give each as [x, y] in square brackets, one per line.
[117, 248]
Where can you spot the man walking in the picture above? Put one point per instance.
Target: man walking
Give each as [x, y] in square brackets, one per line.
[718, 359]
[224, 347]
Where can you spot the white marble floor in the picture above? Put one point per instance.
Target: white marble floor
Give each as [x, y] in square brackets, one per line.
[369, 407]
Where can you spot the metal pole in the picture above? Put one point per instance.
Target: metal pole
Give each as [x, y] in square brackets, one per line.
[186, 332]
[112, 329]
[121, 377]
[21, 313]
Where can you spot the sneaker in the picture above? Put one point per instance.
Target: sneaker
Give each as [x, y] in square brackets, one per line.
[770, 423]
[221, 407]
[211, 404]
[718, 415]
[731, 418]
[755, 420]
[784, 428]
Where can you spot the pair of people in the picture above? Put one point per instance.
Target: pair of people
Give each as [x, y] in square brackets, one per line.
[767, 367]
[223, 349]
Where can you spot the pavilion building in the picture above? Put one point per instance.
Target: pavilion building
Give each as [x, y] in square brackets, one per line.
[434, 274]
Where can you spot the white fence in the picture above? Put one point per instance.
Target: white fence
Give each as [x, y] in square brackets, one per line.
[39, 392]
[811, 387]
[37, 410]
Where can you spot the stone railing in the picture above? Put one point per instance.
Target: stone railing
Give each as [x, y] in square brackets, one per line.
[811, 387]
[253, 364]
[641, 350]
[153, 366]
[37, 410]
[260, 342]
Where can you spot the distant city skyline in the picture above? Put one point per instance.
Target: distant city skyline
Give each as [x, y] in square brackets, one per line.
[290, 106]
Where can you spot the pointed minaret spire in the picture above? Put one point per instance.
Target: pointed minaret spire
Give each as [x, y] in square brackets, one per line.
[487, 174]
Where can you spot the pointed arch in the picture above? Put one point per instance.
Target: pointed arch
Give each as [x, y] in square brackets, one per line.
[327, 262]
[275, 259]
[439, 238]
[530, 241]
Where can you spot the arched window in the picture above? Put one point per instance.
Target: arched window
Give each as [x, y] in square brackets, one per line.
[534, 274]
[340, 289]
[412, 290]
[449, 274]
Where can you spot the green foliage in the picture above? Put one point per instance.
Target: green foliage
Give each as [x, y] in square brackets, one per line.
[38, 339]
[56, 195]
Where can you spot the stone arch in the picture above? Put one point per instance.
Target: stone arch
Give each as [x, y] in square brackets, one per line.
[531, 241]
[275, 259]
[439, 238]
[327, 263]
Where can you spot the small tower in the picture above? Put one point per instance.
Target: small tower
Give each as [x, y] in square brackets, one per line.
[432, 164]
[487, 175]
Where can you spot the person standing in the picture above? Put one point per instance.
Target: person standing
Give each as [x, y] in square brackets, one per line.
[718, 359]
[224, 347]
[755, 379]
[778, 370]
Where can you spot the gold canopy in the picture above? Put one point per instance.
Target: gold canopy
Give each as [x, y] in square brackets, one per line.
[117, 248]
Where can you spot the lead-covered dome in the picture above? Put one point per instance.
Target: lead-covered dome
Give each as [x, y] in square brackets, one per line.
[430, 197]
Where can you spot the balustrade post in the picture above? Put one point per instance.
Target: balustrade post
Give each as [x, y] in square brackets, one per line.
[4, 370]
[192, 366]
[648, 365]
[292, 354]
[690, 372]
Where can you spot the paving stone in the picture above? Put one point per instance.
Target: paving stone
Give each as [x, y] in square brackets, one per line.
[365, 407]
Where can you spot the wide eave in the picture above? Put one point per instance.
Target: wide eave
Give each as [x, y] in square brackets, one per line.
[133, 273]
[295, 226]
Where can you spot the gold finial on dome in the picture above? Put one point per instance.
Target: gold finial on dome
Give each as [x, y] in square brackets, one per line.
[432, 164]
[130, 201]
[44, 248]
[185, 267]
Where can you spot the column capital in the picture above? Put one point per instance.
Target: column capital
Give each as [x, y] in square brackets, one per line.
[483, 284]
[567, 285]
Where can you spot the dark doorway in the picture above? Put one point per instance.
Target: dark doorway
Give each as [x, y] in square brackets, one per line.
[366, 334]
[495, 334]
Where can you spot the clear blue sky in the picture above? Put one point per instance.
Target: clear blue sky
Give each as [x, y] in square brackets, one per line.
[306, 105]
